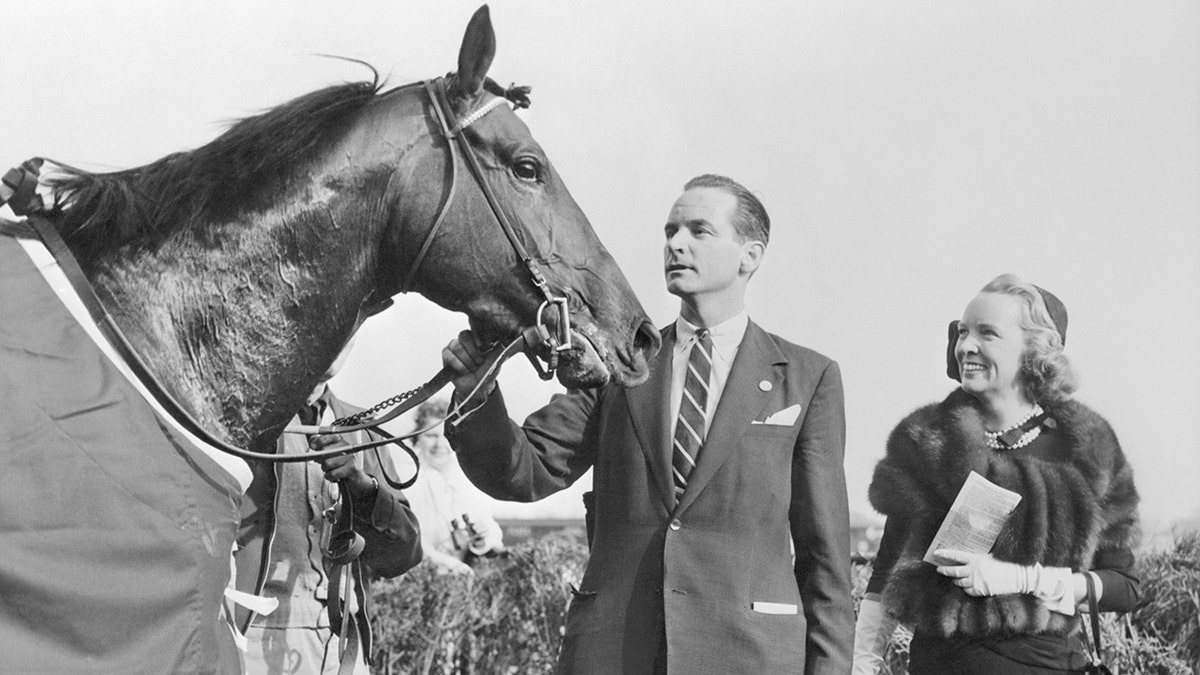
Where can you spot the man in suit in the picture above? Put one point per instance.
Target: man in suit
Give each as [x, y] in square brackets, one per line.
[705, 476]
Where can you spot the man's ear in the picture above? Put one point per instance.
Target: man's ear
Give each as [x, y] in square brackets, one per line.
[752, 255]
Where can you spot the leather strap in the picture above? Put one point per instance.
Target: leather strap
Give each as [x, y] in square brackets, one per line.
[1093, 614]
[343, 586]
[1097, 665]
[445, 206]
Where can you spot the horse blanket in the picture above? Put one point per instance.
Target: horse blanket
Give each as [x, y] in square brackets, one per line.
[116, 525]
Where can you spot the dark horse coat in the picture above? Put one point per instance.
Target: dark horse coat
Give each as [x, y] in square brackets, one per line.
[1077, 501]
[115, 529]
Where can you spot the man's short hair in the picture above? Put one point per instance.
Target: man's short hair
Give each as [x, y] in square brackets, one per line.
[750, 220]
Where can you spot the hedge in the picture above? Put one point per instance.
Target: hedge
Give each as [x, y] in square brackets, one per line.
[508, 616]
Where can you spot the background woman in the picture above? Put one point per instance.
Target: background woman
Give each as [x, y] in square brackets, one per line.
[456, 523]
[1016, 609]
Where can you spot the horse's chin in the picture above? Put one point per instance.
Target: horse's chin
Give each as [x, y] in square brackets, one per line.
[583, 366]
[593, 362]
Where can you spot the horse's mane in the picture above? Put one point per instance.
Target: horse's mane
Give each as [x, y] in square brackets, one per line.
[215, 180]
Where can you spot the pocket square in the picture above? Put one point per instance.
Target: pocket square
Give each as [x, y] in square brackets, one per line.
[786, 417]
[774, 608]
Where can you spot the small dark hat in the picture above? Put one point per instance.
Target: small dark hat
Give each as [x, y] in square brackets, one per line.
[1057, 310]
[951, 360]
[1054, 306]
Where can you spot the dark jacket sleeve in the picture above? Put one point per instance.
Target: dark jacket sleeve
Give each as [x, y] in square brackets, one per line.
[821, 528]
[551, 450]
[393, 537]
[1121, 586]
[891, 545]
[1114, 561]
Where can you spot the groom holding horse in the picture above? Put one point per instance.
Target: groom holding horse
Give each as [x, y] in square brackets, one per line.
[285, 552]
[721, 536]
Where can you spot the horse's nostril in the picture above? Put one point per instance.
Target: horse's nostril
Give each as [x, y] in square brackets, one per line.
[647, 339]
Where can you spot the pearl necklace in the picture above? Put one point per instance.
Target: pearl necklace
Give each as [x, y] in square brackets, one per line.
[992, 438]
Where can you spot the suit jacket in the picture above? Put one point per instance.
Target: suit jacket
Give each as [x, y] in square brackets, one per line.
[275, 564]
[714, 573]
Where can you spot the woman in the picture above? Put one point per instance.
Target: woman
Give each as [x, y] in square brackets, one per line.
[1016, 609]
[456, 525]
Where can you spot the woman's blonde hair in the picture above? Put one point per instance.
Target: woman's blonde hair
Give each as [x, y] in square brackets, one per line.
[431, 412]
[1046, 373]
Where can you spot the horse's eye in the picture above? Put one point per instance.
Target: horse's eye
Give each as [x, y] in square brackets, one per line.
[526, 168]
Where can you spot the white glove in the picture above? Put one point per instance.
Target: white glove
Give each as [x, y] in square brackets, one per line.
[979, 574]
[872, 633]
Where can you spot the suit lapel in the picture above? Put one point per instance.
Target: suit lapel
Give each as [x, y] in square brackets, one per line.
[649, 407]
[741, 401]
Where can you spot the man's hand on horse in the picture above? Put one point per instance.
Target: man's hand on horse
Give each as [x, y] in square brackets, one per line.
[343, 468]
[467, 359]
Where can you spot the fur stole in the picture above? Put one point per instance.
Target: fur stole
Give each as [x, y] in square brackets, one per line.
[1077, 498]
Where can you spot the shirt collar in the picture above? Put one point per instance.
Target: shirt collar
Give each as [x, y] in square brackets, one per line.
[726, 336]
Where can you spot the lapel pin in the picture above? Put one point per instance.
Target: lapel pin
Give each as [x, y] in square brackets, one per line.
[764, 385]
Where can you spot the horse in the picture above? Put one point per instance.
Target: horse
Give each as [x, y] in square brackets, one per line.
[237, 271]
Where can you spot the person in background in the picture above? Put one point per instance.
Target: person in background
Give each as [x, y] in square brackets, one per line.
[1016, 609]
[704, 476]
[288, 518]
[457, 526]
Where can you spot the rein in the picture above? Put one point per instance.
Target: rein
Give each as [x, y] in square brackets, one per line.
[24, 181]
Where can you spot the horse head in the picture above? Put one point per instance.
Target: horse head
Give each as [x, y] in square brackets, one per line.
[470, 260]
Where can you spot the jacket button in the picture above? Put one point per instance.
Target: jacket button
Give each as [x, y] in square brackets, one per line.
[675, 524]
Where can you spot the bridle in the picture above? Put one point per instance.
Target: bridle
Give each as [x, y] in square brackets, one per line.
[454, 137]
[537, 336]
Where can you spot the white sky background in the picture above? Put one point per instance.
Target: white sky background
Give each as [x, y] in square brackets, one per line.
[907, 153]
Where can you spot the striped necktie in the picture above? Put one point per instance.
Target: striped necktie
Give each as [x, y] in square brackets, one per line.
[689, 429]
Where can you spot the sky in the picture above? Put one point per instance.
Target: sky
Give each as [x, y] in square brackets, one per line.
[907, 153]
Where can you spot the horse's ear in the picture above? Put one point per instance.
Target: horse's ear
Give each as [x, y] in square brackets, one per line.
[476, 54]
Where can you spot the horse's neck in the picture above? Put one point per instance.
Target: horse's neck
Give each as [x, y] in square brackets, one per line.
[240, 332]
[242, 325]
